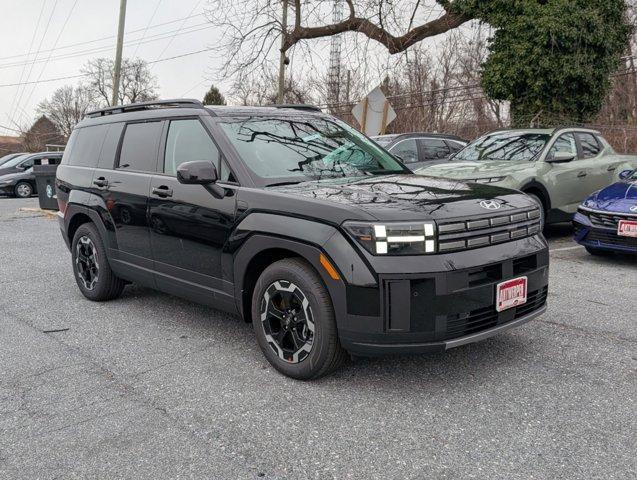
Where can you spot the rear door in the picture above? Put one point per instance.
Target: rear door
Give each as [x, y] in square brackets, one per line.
[191, 224]
[124, 188]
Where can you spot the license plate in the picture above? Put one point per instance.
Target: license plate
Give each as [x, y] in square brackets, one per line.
[627, 228]
[511, 293]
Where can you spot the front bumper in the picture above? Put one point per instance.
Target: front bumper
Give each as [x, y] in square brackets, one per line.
[451, 306]
[602, 238]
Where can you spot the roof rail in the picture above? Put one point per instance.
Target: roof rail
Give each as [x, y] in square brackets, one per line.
[299, 106]
[134, 107]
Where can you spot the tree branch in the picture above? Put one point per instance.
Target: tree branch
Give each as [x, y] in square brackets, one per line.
[393, 43]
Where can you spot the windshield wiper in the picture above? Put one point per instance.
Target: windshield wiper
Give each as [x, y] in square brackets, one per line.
[281, 184]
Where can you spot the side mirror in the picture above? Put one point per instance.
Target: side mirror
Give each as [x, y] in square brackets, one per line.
[197, 173]
[561, 157]
[623, 175]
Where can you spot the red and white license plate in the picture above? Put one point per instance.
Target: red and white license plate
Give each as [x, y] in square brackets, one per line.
[510, 294]
[627, 228]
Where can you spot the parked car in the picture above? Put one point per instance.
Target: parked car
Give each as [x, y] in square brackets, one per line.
[557, 167]
[420, 149]
[301, 225]
[8, 157]
[16, 176]
[21, 184]
[607, 220]
[24, 162]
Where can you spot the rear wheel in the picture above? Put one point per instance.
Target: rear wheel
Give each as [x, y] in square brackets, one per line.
[599, 252]
[23, 190]
[93, 274]
[294, 322]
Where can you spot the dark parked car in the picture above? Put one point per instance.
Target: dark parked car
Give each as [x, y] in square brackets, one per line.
[298, 223]
[16, 175]
[420, 149]
[27, 160]
[10, 156]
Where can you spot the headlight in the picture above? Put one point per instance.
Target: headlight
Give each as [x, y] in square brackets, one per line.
[405, 238]
[486, 180]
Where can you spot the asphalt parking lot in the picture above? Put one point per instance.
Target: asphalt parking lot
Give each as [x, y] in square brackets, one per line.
[150, 386]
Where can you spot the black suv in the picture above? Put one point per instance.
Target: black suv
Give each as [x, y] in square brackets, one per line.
[298, 223]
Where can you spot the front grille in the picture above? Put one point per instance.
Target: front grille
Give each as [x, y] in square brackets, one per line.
[487, 317]
[605, 220]
[476, 232]
[610, 238]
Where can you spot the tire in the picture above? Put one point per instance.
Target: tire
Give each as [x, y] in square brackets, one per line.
[599, 252]
[538, 200]
[100, 284]
[287, 283]
[23, 190]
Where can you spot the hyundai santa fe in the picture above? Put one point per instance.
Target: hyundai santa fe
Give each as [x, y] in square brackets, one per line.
[296, 222]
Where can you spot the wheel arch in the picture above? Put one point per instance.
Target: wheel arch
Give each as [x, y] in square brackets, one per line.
[260, 251]
[76, 215]
[540, 191]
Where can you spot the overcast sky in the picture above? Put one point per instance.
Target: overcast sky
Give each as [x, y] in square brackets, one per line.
[89, 20]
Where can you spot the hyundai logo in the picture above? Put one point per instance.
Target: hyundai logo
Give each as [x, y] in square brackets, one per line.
[633, 209]
[490, 204]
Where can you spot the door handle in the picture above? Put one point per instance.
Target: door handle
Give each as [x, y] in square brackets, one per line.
[612, 168]
[162, 191]
[100, 182]
[581, 174]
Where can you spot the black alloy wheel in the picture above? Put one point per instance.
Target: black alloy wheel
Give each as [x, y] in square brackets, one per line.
[294, 322]
[86, 262]
[287, 321]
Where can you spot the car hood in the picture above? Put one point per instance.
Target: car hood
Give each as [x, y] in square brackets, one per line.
[619, 197]
[468, 170]
[407, 197]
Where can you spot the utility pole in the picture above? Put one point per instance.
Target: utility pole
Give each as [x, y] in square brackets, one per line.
[118, 52]
[282, 60]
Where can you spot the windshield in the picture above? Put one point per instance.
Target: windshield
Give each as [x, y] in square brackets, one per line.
[15, 161]
[300, 149]
[6, 158]
[511, 146]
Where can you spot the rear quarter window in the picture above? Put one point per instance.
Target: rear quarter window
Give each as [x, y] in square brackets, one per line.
[87, 146]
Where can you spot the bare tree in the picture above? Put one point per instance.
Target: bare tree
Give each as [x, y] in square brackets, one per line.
[260, 88]
[252, 28]
[137, 83]
[67, 106]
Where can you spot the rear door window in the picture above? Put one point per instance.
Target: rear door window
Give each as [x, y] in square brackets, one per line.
[590, 145]
[406, 150]
[434, 149]
[139, 147]
[111, 142]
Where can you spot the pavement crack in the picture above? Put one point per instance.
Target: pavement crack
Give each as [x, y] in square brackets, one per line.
[588, 332]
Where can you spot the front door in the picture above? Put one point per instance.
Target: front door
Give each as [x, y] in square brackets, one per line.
[566, 179]
[190, 224]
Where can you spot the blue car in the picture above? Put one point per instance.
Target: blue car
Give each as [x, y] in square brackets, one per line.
[607, 220]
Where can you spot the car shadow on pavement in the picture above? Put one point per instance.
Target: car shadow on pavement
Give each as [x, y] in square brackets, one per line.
[197, 323]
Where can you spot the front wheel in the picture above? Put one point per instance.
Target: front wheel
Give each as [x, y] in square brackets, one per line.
[294, 322]
[23, 190]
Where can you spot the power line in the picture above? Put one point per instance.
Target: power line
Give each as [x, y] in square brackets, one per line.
[147, 25]
[57, 39]
[180, 28]
[130, 43]
[37, 26]
[70, 45]
[21, 94]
